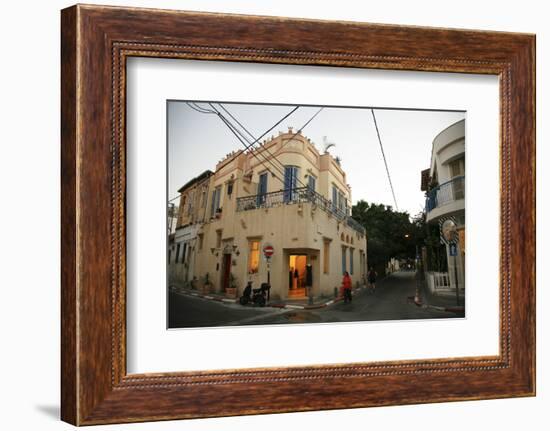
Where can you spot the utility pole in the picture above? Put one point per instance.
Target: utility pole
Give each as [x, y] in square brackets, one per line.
[449, 236]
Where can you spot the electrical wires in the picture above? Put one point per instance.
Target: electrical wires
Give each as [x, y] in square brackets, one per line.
[384, 157]
[275, 166]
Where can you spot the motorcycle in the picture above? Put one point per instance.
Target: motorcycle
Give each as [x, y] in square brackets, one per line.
[255, 296]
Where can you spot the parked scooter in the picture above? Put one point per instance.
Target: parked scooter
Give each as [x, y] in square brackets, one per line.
[255, 296]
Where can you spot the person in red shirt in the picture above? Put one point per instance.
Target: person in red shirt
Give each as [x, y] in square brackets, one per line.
[346, 284]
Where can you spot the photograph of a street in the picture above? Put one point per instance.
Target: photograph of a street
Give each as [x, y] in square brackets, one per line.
[292, 214]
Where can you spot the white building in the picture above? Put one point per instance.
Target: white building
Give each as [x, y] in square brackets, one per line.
[445, 198]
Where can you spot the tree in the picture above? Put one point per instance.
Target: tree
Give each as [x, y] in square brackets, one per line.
[389, 233]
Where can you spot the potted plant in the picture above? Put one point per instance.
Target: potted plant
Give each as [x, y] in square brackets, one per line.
[231, 291]
[207, 285]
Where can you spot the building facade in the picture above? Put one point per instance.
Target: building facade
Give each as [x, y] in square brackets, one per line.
[444, 184]
[191, 215]
[286, 194]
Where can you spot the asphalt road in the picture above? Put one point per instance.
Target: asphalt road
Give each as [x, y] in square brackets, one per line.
[390, 301]
[186, 311]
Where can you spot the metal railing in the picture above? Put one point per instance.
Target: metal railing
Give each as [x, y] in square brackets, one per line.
[294, 196]
[444, 193]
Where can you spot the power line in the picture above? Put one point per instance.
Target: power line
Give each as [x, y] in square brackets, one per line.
[384, 157]
[244, 141]
[241, 139]
[198, 108]
[202, 110]
[256, 155]
[250, 145]
[273, 167]
[272, 156]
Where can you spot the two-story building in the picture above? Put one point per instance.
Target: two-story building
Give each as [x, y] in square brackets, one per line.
[191, 214]
[444, 184]
[286, 194]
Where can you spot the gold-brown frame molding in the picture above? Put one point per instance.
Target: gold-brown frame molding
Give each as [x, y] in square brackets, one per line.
[95, 42]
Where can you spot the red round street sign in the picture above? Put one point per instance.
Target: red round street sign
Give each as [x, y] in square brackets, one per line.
[268, 250]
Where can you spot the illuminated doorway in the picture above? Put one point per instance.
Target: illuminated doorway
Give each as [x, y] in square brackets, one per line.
[297, 276]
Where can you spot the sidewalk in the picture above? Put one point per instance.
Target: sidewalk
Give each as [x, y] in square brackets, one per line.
[441, 302]
[293, 304]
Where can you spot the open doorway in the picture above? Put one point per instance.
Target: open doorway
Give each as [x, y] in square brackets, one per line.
[226, 271]
[297, 276]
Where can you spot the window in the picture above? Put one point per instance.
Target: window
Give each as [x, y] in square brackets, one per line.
[341, 201]
[182, 204]
[311, 180]
[457, 167]
[216, 194]
[203, 201]
[334, 198]
[201, 241]
[351, 260]
[326, 257]
[344, 269]
[218, 239]
[253, 256]
[229, 189]
[190, 204]
[291, 179]
[184, 252]
[457, 170]
[262, 188]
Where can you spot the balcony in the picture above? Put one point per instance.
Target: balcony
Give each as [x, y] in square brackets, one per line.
[294, 196]
[445, 194]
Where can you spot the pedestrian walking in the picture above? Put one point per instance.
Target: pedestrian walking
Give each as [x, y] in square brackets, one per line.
[346, 284]
[371, 277]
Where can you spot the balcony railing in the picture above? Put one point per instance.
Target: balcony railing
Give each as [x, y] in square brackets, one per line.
[293, 196]
[447, 192]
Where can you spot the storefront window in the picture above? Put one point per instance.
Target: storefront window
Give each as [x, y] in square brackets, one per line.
[253, 257]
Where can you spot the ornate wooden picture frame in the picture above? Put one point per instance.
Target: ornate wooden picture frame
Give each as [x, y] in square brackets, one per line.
[96, 42]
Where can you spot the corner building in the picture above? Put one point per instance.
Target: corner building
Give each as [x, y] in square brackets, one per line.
[286, 194]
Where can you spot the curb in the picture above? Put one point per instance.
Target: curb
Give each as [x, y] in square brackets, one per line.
[275, 305]
[447, 309]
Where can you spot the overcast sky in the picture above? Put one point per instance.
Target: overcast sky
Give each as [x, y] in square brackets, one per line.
[197, 141]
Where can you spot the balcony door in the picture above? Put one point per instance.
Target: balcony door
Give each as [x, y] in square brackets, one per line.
[291, 181]
[457, 176]
[262, 189]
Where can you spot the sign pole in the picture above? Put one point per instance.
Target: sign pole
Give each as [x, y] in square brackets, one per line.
[268, 252]
[456, 282]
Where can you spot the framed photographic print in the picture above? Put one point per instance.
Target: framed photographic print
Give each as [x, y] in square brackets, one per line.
[323, 214]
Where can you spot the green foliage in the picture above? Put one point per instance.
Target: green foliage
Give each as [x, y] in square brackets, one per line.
[389, 233]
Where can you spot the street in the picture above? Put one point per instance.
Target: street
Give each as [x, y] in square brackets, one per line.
[390, 301]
